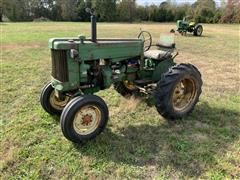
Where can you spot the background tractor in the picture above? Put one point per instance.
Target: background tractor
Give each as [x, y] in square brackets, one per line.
[183, 26]
[81, 67]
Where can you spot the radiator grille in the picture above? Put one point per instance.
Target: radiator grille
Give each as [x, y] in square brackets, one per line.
[59, 65]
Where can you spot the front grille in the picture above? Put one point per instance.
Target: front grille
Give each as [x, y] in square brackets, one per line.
[59, 65]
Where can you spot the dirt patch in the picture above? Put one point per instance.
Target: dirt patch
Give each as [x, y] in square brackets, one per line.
[7, 153]
[9, 47]
[199, 137]
[129, 104]
[200, 125]
[126, 105]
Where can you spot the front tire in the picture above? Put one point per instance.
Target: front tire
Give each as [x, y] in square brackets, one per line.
[178, 91]
[50, 103]
[84, 118]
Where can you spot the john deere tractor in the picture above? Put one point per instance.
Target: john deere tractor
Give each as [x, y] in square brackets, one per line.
[183, 26]
[83, 66]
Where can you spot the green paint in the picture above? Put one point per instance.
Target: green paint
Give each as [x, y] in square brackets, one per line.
[107, 76]
[110, 50]
[91, 90]
[161, 68]
[73, 70]
[149, 64]
[83, 71]
[116, 50]
[62, 43]
[185, 26]
[113, 51]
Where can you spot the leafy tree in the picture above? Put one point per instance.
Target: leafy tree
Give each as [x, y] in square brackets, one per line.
[203, 11]
[1, 10]
[180, 11]
[126, 10]
[16, 10]
[231, 13]
[39, 8]
[142, 13]
[152, 12]
[106, 9]
[120, 10]
[55, 13]
[82, 14]
[69, 10]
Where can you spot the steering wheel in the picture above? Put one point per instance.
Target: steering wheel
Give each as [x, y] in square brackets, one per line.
[147, 39]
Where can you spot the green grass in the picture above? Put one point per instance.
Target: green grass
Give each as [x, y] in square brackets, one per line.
[137, 143]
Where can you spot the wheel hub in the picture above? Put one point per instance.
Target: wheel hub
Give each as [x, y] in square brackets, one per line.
[184, 94]
[87, 120]
[57, 103]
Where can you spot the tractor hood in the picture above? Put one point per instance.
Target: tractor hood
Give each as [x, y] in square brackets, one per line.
[102, 49]
[63, 43]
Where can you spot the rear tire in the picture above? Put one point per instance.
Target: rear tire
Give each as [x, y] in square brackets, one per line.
[178, 91]
[198, 30]
[84, 118]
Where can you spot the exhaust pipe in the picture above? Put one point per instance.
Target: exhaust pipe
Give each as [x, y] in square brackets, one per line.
[93, 24]
[94, 27]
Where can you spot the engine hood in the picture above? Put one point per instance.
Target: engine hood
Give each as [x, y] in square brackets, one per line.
[63, 43]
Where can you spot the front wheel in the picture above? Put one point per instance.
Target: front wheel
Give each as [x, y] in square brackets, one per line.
[84, 118]
[178, 91]
[50, 103]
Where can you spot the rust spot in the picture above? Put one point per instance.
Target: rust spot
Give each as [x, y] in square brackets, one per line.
[87, 120]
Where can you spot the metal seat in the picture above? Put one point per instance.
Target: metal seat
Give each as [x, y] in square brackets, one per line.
[157, 54]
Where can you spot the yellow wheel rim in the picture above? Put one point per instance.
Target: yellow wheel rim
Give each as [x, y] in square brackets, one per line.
[184, 94]
[57, 103]
[199, 31]
[87, 120]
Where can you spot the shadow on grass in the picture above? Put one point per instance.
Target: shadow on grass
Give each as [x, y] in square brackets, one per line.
[189, 146]
[193, 36]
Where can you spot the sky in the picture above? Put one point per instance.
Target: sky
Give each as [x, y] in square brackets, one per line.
[157, 2]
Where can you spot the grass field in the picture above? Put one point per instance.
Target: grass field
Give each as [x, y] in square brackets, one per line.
[137, 143]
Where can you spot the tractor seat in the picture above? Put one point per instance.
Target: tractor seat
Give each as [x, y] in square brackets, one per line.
[157, 54]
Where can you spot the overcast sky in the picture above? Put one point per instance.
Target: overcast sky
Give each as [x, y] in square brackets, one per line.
[143, 2]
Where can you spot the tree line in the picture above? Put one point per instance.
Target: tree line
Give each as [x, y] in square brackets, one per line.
[204, 11]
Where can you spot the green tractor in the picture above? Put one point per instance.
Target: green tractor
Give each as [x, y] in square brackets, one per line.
[183, 26]
[82, 67]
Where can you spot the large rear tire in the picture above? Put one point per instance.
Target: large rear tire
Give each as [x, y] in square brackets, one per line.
[198, 30]
[178, 91]
[84, 118]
